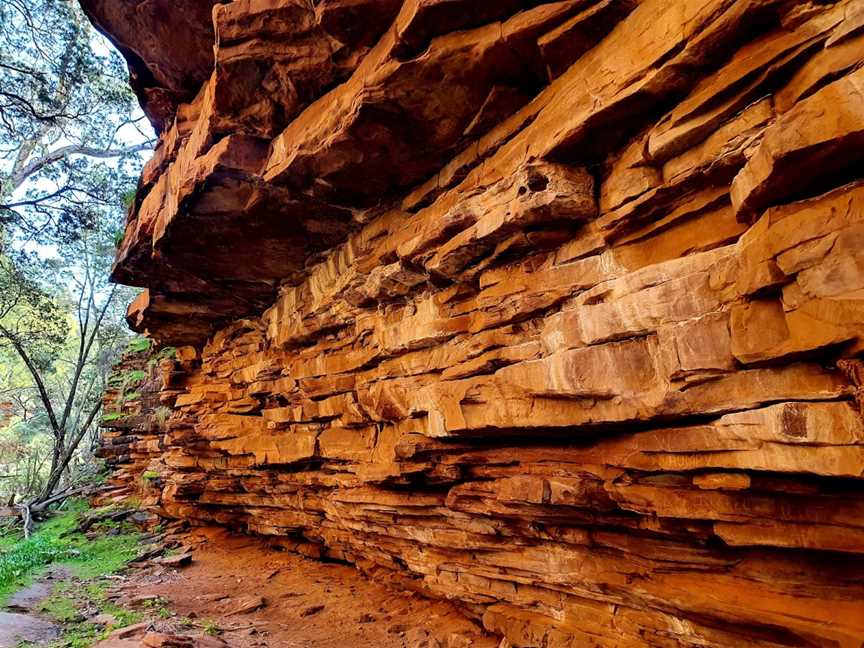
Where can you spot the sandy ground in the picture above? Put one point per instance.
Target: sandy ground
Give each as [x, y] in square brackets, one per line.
[258, 596]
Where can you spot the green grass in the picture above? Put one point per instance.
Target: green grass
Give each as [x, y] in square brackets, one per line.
[65, 607]
[161, 414]
[113, 416]
[96, 593]
[57, 542]
[60, 606]
[168, 352]
[7, 540]
[105, 555]
[211, 628]
[89, 561]
[21, 561]
[78, 635]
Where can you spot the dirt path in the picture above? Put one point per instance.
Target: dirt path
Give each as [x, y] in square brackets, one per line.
[250, 595]
[21, 622]
[18, 628]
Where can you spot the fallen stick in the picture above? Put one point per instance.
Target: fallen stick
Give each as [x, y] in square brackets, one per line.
[41, 506]
[29, 511]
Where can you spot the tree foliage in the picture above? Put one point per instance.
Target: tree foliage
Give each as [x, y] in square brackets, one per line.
[72, 143]
[57, 346]
[70, 134]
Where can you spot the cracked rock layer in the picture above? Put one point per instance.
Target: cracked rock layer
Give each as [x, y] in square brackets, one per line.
[553, 309]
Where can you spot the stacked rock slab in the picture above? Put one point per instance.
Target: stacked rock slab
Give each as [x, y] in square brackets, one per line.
[135, 412]
[554, 309]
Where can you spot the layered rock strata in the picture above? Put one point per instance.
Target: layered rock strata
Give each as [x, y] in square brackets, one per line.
[550, 308]
[133, 425]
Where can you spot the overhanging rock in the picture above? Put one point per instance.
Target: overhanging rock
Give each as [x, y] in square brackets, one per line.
[550, 308]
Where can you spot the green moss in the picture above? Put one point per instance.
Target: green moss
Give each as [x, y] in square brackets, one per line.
[139, 345]
[169, 352]
[149, 475]
[60, 606]
[113, 416]
[165, 353]
[105, 555]
[135, 376]
[127, 378]
[123, 381]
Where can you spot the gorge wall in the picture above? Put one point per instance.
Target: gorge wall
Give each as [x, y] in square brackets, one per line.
[554, 309]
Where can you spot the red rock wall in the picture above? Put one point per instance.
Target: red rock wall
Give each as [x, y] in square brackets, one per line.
[553, 309]
[134, 420]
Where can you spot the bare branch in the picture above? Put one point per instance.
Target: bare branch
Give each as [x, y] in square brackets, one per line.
[34, 372]
[73, 149]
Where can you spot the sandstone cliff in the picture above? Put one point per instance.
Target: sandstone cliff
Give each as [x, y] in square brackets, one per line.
[553, 309]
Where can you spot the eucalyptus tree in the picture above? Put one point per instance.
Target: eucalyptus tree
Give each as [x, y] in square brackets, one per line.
[72, 143]
[70, 134]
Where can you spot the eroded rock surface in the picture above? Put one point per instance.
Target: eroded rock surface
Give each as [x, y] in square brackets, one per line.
[553, 309]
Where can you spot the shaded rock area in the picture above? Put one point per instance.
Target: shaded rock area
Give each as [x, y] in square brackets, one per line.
[551, 309]
[133, 426]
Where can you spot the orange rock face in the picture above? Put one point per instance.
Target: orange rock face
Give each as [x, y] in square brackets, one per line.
[554, 309]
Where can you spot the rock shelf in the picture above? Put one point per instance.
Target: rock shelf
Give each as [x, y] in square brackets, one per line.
[552, 309]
